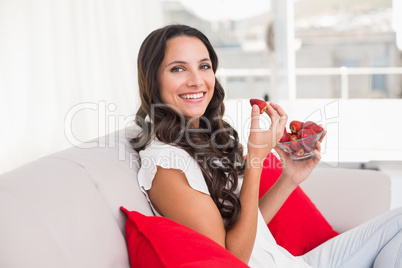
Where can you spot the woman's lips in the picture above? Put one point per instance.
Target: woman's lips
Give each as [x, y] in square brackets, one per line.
[192, 96]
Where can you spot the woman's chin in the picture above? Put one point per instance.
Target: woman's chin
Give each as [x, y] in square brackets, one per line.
[194, 114]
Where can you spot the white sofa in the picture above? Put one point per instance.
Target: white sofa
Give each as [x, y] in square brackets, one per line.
[63, 210]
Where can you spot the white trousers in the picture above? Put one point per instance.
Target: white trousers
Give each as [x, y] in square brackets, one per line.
[377, 243]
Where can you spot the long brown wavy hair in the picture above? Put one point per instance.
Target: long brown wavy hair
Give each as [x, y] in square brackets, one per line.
[214, 145]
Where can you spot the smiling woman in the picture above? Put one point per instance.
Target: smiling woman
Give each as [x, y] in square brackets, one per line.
[217, 193]
[186, 77]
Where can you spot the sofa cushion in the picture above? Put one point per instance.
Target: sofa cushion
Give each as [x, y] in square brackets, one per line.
[160, 242]
[53, 215]
[112, 165]
[298, 226]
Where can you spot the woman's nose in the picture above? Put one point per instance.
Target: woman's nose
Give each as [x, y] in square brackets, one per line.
[194, 79]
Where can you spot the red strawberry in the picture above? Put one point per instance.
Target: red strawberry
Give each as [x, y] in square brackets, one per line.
[285, 137]
[305, 132]
[309, 144]
[260, 103]
[297, 149]
[293, 137]
[313, 126]
[295, 126]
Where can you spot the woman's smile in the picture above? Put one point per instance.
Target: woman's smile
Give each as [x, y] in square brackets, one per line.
[193, 96]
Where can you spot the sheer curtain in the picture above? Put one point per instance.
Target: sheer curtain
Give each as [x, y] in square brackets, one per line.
[65, 67]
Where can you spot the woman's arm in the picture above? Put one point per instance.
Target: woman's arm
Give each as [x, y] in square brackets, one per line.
[292, 175]
[240, 239]
[275, 197]
[173, 197]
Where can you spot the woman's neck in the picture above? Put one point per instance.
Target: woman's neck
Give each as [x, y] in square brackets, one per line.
[193, 122]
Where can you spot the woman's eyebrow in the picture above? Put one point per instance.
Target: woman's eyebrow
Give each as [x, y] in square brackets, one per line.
[176, 62]
[184, 62]
[205, 59]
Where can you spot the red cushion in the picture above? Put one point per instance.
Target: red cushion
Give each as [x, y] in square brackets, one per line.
[160, 242]
[298, 226]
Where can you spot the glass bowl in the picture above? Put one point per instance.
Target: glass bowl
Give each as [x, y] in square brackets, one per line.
[301, 149]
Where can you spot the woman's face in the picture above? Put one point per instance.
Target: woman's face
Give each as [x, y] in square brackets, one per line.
[186, 78]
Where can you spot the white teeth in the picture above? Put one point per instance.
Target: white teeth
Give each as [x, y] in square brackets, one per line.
[192, 96]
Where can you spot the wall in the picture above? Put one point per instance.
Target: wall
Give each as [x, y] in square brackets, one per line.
[67, 72]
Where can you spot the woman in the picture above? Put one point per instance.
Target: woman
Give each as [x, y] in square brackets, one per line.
[193, 170]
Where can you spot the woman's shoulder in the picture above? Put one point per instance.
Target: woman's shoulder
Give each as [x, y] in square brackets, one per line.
[157, 147]
[168, 156]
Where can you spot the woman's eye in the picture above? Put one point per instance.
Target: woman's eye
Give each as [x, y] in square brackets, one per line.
[177, 69]
[205, 66]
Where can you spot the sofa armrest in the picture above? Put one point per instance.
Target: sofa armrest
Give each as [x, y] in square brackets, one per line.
[348, 197]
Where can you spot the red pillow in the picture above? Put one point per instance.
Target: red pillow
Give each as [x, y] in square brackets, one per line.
[160, 242]
[298, 226]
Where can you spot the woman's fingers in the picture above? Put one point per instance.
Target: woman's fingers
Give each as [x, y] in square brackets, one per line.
[278, 108]
[267, 137]
[271, 112]
[278, 118]
[281, 152]
[318, 146]
[323, 135]
[317, 156]
[255, 117]
[276, 113]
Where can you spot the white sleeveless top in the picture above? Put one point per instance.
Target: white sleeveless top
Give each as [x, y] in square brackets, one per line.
[266, 253]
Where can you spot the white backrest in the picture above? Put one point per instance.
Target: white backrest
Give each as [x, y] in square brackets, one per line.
[348, 197]
[63, 210]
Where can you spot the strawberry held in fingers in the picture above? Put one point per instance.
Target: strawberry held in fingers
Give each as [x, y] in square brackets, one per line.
[260, 103]
[295, 126]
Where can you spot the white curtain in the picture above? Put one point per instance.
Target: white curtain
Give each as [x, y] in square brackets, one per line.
[66, 66]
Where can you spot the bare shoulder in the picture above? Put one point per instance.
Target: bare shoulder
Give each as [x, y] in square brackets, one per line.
[173, 197]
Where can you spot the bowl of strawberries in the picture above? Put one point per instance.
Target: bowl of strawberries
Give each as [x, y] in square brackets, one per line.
[301, 141]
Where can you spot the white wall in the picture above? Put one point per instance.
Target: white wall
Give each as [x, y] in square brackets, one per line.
[67, 67]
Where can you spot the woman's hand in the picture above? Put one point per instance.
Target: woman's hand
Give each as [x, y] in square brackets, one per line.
[261, 141]
[292, 175]
[298, 171]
